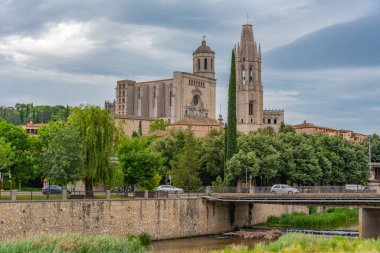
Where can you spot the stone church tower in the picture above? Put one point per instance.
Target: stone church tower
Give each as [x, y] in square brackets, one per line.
[250, 113]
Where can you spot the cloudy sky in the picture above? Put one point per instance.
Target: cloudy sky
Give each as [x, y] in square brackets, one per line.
[321, 60]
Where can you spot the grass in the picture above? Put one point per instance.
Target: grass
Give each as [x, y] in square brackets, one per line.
[73, 243]
[301, 243]
[332, 219]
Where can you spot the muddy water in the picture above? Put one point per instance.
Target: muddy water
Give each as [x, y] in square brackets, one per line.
[199, 244]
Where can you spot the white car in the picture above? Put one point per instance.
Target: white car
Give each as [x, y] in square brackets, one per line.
[283, 189]
[169, 189]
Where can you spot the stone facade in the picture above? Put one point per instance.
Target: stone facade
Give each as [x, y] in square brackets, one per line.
[249, 88]
[183, 95]
[160, 218]
[310, 128]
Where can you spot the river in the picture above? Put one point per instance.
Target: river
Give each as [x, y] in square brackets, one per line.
[211, 242]
[200, 244]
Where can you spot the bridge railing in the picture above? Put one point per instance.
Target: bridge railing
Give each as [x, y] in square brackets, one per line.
[302, 189]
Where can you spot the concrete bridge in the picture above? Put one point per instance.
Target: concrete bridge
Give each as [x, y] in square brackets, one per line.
[368, 204]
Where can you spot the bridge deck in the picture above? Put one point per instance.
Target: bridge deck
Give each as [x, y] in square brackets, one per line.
[358, 200]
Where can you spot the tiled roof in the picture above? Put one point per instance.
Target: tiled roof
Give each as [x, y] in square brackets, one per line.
[193, 121]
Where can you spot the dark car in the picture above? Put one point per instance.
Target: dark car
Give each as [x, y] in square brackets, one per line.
[54, 189]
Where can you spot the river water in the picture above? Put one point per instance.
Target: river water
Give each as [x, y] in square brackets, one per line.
[207, 243]
[200, 244]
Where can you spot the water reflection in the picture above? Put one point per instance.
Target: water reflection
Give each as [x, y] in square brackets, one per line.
[200, 244]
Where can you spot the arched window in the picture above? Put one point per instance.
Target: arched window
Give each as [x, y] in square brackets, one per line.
[199, 64]
[205, 63]
[170, 95]
[250, 73]
[250, 108]
[243, 73]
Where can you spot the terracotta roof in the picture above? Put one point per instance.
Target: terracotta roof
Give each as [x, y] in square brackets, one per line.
[193, 121]
[311, 125]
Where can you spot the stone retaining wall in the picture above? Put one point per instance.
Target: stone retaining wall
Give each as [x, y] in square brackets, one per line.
[160, 218]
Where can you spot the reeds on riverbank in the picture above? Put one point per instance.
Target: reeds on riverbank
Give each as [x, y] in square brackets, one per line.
[73, 243]
[332, 219]
[301, 243]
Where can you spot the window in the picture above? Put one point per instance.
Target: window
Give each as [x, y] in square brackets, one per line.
[250, 73]
[123, 93]
[199, 64]
[123, 85]
[123, 100]
[196, 99]
[205, 63]
[170, 95]
[242, 121]
[251, 120]
[212, 63]
[139, 92]
[275, 121]
[250, 109]
[243, 73]
[269, 121]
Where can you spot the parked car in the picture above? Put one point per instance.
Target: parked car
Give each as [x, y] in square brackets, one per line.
[283, 189]
[169, 188]
[117, 190]
[54, 189]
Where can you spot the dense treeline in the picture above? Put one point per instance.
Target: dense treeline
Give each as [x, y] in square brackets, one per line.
[20, 114]
[84, 147]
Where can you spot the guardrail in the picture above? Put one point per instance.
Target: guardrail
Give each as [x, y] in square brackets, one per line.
[301, 189]
[15, 195]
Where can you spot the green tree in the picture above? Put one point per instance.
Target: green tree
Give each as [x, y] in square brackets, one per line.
[231, 119]
[140, 164]
[62, 156]
[212, 158]
[7, 155]
[96, 129]
[241, 165]
[286, 128]
[185, 169]
[158, 124]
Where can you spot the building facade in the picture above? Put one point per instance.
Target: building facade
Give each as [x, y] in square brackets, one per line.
[310, 128]
[249, 88]
[193, 95]
[183, 95]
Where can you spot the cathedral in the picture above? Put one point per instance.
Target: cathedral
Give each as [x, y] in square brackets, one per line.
[188, 99]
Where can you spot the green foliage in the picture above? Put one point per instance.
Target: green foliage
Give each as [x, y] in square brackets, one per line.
[140, 165]
[73, 243]
[301, 243]
[286, 128]
[23, 113]
[97, 130]
[231, 119]
[62, 156]
[211, 162]
[312, 209]
[185, 172]
[143, 238]
[375, 147]
[334, 218]
[240, 164]
[7, 155]
[158, 124]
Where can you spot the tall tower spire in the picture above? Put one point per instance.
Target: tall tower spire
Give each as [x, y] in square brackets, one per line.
[249, 92]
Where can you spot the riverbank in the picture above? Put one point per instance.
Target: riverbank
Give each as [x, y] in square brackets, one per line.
[73, 243]
[332, 219]
[300, 243]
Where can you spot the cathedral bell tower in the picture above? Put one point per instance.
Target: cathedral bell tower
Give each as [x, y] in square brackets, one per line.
[249, 89]
[204, 61]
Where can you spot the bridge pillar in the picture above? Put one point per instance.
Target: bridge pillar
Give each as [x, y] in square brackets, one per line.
[369, 223]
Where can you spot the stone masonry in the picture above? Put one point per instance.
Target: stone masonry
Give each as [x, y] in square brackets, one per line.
[160, 218]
